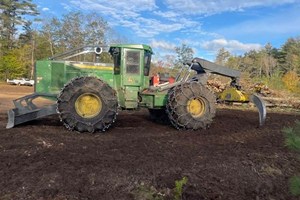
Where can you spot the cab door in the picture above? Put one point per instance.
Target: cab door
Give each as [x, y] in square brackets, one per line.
[132, 77]
[132, 71]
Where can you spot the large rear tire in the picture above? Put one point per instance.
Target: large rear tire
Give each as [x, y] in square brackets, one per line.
[191, 106]
[87, 104]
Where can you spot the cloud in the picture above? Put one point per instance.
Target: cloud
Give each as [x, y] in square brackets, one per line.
[67, 7]
[45, 9]
[139, 16]
[120, 6]
[160, 44]
[209, 7]
[146, 19]
[172, 19]
[233, 46]
[167, 14]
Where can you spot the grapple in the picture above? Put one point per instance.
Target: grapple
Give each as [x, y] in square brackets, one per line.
[234, 94]
[261, 106]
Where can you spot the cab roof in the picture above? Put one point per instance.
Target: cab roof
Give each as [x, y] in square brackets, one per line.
[133, 46]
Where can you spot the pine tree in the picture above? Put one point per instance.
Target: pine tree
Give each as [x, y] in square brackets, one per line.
[292, 140]
[184, 54]
[222, 56]
[12, 15]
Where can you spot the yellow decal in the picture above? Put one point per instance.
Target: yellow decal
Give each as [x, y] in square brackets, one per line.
[82, 66]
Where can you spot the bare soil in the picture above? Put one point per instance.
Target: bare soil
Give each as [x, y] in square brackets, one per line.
[136, 158]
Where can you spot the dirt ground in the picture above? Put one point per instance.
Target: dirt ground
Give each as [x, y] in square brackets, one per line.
[139, 159]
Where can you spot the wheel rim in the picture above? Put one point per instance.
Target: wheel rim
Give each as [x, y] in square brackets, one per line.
[88, 105]
[196, 107]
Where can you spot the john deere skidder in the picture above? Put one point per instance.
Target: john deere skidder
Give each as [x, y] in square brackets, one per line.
[88, 95]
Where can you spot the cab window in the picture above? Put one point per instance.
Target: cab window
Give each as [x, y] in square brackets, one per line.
[147, 63]
[115, 52]
[132, 62]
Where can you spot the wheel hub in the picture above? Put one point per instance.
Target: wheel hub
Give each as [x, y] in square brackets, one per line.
[88, 105]
[196, 107]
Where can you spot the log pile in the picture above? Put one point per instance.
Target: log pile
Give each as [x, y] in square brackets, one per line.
[271, 98]
[216, 86]
[282, 102]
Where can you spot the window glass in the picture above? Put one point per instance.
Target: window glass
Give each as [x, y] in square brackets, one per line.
[133, 62]
[117, 60]
[147, 63]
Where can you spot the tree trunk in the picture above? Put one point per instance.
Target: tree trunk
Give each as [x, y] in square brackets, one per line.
[32, 58]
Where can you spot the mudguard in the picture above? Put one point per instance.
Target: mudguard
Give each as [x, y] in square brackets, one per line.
[261, 106]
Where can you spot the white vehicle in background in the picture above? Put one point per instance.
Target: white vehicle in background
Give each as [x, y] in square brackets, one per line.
[22, 81]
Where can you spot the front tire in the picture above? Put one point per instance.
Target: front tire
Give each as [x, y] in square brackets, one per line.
[191, 106]
[87, 104]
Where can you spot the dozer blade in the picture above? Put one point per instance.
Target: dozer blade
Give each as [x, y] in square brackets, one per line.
[25, 110]
[261, 106]
[15, 117]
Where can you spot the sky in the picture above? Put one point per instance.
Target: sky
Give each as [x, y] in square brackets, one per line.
[204, 25]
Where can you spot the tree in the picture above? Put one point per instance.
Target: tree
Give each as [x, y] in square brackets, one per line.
[12, 14]
[11, 66]
[95, 30]
[291, 81]
[234, 62]
[267, 61]
[279, 56]
[74, 30]
[250, 63]
[52, 32]
[26, 37]
[291, 50]
[43, 48]
[27, 43]
[222, 56]
[184, 54]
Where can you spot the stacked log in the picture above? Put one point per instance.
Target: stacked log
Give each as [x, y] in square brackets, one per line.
[282, 102]
[216, 86]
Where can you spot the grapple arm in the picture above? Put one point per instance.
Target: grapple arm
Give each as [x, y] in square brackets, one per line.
[233, 93]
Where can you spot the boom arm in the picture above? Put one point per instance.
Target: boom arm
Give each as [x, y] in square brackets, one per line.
[204, 66]
[216, 69]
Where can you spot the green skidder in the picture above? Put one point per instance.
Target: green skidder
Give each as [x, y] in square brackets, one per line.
[87, 91]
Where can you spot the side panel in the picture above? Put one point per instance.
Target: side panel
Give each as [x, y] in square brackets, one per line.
[58, 76]
[43, 76]
[153, 99]
[104, 71]
[51, 76]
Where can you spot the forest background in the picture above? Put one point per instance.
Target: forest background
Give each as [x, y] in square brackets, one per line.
[21, 44]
